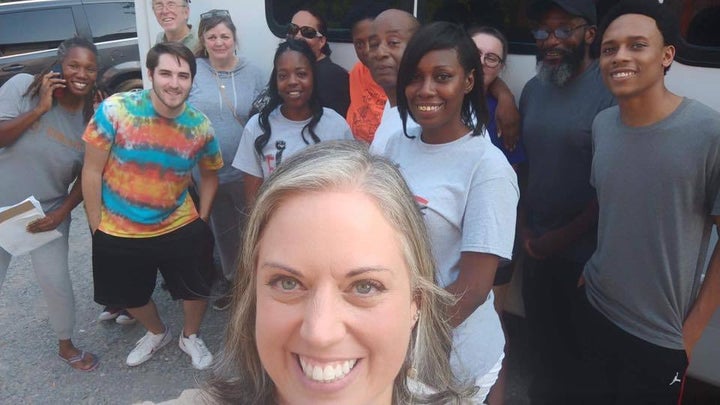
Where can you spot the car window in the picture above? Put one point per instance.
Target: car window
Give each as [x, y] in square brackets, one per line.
[41, 30]
[111, 21]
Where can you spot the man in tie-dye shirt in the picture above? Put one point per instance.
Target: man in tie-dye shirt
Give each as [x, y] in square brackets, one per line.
[140, 149]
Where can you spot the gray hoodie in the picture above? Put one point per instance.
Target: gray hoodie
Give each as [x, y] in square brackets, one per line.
[218, 94]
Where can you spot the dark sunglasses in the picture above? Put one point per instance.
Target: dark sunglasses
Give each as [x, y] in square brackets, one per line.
[215, 13]
[306, 32]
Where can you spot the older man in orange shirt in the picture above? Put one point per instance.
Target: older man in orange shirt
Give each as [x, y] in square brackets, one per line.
[367, 98]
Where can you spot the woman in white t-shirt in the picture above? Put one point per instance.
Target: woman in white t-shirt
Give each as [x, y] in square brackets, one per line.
[466, 188]
[292, 119]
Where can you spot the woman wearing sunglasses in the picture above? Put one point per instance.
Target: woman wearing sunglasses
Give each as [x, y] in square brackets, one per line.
[334, 89]
[223, 89]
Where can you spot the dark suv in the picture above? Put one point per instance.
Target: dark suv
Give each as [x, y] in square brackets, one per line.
[30, 32]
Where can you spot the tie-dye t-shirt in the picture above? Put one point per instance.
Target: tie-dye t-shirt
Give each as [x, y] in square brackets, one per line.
[146, 177]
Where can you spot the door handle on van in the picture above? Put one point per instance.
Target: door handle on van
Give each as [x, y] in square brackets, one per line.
[13, 68]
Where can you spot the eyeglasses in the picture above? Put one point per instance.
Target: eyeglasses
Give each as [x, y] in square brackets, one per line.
[560, 33]
[171, 6]
[306, 32]
[215, 13]
[490, 59]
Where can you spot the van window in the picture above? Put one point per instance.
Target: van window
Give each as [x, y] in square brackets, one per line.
[508, 16]
[699, 21]
[280, 12]
[700, 28]
[111, 21]
[40, 30]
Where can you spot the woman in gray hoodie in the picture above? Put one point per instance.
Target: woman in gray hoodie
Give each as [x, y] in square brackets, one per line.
[224, 87]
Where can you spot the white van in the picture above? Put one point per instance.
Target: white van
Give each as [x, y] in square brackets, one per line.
[262, 24]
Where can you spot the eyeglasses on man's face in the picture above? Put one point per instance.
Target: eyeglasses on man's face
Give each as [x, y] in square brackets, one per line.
[158, 6]
[490, 59]
[542, 34]
[306, 32]
[215, 13]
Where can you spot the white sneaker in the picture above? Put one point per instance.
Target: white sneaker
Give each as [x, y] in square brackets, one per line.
[196, 349]
[109, 313]
[124, 318]
[147, 346]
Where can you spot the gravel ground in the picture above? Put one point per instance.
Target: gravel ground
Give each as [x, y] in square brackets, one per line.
[30, 371]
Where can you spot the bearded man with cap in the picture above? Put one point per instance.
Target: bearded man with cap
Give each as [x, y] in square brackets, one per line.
[558, 209]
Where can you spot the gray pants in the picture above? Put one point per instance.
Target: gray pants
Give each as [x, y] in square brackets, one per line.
[53, 274]
[226, 221]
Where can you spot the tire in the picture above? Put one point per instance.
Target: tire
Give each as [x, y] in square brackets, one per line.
[127, 85]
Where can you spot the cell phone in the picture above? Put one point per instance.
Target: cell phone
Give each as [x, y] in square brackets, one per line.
[57, 68]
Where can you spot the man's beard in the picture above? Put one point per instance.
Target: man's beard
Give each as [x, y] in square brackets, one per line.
[569, 66]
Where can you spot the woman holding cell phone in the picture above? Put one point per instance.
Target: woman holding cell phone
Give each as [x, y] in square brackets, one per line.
[42, 119]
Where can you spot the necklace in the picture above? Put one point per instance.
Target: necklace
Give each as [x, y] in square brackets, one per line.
[221, 89]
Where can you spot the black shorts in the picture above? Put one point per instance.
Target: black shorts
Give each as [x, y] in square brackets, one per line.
[125, 269]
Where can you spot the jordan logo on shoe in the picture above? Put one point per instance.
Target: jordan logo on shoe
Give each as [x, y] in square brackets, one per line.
[675, 379]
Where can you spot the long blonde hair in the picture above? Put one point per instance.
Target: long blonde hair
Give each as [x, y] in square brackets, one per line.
[238, 374]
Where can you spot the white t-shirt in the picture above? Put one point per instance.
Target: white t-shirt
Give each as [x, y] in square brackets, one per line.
[390, 126]
[468, 194]
[331, 126]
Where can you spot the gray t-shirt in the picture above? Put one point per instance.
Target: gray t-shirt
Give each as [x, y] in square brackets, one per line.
[468, 194]
[556, 125]
[47, 157]
[218, 95]
[657, 187]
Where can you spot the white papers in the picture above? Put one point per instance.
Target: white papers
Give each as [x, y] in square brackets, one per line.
[14, 237]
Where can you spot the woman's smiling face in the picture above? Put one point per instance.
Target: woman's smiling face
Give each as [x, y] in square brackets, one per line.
[435, 95]
[294, 83]
[335, 307]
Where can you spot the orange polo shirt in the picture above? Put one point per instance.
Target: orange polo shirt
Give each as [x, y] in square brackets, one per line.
[367, 101]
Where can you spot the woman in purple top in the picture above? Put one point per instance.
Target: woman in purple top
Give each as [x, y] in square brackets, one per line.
[493, 47]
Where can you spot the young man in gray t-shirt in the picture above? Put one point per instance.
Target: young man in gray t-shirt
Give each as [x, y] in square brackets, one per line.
[656, 169]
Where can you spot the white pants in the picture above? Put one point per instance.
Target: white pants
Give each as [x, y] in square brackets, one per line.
[50, 263]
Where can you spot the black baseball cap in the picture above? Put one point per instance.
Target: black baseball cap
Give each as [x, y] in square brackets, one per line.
[580, 8]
